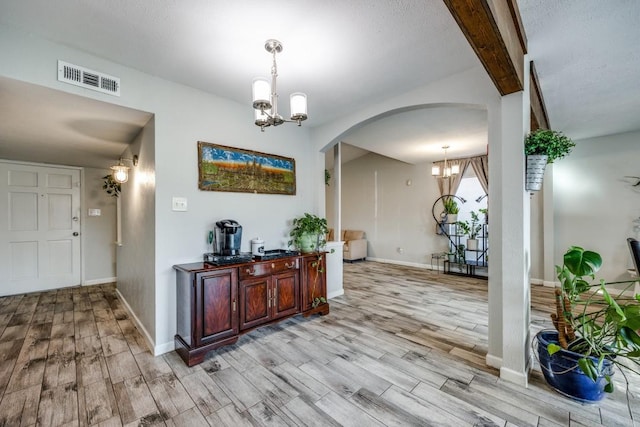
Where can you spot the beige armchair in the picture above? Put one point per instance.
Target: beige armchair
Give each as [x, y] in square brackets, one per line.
[355, 244]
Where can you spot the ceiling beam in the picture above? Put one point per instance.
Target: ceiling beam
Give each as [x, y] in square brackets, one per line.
[494, 30]
[539, 118]
[494, 36]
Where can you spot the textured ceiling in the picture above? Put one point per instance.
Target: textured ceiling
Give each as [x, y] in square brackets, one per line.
[588, 61]
[344, 55]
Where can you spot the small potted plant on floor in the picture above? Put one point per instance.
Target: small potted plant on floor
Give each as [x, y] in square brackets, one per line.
[309, 233]
[543, 146]
[596, 330]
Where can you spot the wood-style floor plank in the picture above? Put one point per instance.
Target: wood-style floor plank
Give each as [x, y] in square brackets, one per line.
[402, 347]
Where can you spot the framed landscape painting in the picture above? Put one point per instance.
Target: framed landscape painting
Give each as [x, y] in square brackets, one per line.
[222, 168]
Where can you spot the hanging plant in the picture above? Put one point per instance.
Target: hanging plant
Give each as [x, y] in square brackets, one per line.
[553, 144]
[110, 185]
[543, 146]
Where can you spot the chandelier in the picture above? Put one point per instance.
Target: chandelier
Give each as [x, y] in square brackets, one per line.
[447, 170]
[265, 96]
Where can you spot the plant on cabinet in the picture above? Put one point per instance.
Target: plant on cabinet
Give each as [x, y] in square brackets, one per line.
[309, 233]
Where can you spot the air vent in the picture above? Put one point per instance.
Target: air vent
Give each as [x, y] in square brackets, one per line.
[89, 79]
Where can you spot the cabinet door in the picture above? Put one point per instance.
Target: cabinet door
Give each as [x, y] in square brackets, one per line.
[286, 293]
[314, 284]
[216, 305]
[255, 301]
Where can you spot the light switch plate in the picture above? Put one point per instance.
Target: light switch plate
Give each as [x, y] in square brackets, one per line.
[95, 212]
[179, 204]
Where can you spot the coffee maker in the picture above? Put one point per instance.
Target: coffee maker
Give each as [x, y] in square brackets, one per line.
[229, 237]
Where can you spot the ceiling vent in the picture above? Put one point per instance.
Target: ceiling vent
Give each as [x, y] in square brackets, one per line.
[89, 79]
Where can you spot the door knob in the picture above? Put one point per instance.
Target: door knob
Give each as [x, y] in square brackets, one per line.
[75, 218]
[75, 233]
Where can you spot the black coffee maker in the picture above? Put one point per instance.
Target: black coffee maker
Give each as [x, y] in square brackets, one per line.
[229, 237]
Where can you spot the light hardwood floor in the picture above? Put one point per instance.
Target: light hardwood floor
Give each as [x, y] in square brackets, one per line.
[403, 346]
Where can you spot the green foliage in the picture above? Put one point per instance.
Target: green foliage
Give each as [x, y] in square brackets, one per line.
[471, 228]
[309, 225]
[110, 185]
[554, 144]
[606, 325]
[327, 177]
[450, 206]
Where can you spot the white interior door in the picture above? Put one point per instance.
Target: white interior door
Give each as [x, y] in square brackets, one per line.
[39, 228]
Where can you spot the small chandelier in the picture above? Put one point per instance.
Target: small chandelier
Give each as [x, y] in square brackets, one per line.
[265, 97]
[447, 170]
[121, 172]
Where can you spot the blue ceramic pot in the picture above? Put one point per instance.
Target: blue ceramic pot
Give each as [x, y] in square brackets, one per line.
[563, 374]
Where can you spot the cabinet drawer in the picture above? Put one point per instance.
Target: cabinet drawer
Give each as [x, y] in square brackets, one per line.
[268, 267]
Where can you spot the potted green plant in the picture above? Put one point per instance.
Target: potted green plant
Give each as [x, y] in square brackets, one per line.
[451, 210]
[543, 146]
[596, 330]
[309, 233]
[471, 229]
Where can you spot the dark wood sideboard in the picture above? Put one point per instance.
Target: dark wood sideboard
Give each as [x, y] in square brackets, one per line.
[217, 304]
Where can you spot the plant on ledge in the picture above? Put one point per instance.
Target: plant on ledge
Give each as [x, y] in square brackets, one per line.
[597, 329]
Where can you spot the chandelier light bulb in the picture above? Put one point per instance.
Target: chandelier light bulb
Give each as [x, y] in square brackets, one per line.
[265, 96]
[261, 94]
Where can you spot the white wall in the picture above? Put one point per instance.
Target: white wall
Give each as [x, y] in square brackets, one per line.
[98, 232]
[183, 116]
[136, 253]
[593, 204]
[396, 216]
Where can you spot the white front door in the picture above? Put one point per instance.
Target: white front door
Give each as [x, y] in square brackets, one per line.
[39, 228]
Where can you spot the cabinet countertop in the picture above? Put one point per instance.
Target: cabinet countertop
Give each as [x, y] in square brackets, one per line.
[196, 267]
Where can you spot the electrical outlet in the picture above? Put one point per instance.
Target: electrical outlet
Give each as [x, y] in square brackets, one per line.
[179, 204]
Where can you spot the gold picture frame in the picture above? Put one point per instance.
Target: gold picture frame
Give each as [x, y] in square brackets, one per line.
[230, 169]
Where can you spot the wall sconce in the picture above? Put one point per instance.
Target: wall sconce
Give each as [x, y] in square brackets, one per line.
[121, 172]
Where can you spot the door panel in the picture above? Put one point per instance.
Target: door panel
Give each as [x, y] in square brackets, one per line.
[23, 211]
[216, 316]
[286, 293]
[255, 301]
[38, 248]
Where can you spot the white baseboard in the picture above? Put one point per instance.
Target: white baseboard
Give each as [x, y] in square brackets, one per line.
[335, 294]
[99, 281]
[164, 348]
[145, 334]
[493, 361]
[543, 282]
[514, 376]
[405, 263]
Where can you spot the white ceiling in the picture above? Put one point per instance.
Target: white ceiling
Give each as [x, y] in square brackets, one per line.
[587, 57]
[344, 55]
